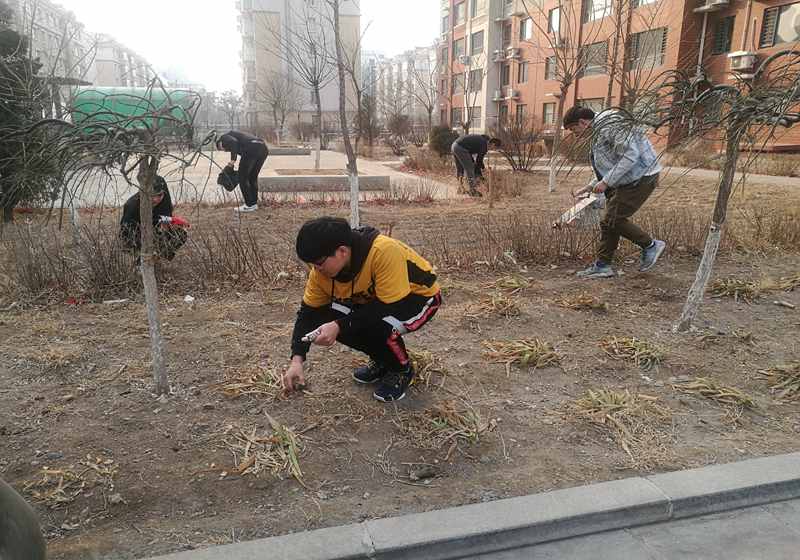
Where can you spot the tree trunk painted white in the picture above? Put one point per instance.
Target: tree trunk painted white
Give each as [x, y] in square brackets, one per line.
[146, 176]
[698, 289]
[317, 155]
[352, 157]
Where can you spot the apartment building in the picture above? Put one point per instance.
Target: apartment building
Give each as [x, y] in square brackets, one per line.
[269, 30]
[115, 65]
[406, 84]
[498, 58]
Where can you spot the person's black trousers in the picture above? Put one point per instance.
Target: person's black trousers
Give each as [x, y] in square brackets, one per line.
[249, 168]
[382, 338]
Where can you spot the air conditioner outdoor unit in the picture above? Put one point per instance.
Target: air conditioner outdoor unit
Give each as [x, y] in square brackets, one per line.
[513, 52]
[711, 6]
[498, 95]
[742, 61]
[498, 56]
[464, 59]
[511, 93]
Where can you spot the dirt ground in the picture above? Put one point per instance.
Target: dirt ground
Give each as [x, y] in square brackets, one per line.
[116, 473]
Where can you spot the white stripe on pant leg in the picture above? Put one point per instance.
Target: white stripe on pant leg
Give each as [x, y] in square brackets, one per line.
[396, 324]
[341, 308]
[421, 313]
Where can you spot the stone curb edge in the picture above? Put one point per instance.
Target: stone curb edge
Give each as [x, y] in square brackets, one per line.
[516, 522]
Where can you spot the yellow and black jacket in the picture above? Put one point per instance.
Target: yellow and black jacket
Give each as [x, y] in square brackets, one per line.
[382, 273]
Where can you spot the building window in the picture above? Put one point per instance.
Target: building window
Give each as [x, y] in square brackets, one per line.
[507, 35]
[443, 87]
[525, 29]
[502, 115]
[443, 116]
[445, 24]
[505, 74]
[476, 43]
[522, 114]
[550, 68]
[476, 7]
[522, 73]
[594, 58]
[455, 116]
[554, 20]
[648, 48]
[476, 79]
[459, 13]
[458, 83]
[723, 34]
[596, 9]
[549, 114]
[780, 25]
[444, 58]
[458, 48]
[475, 116]
[596, 104]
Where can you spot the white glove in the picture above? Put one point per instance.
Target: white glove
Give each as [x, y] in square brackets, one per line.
[164, 220]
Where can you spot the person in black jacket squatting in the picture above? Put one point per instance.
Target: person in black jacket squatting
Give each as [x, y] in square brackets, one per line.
[254, 153]
[364, 290]
[169, 231]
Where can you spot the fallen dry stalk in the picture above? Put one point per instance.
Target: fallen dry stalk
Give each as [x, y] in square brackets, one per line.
[583, 301]
[530, 352]
[277, 452]
[58, 487]
[498, 304]
[709, 389]
[784, 380]
[444, 423]
[740, 290]
[644, 354]
[265, 381]
[512, 282]
[426, 366]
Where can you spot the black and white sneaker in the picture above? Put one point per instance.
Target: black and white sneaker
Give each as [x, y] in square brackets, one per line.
[370, 373]
[394, 384]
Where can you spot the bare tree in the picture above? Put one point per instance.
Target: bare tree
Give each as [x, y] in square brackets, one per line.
[352, 158]
[424, 88]
[282, 96]
[564, 52]
[230, 104]
[302, 45]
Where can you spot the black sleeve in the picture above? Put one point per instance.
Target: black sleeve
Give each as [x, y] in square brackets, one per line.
[479, 161]
[308, 319]
[230, 144]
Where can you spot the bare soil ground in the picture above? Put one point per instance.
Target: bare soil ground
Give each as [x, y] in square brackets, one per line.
[116, 473]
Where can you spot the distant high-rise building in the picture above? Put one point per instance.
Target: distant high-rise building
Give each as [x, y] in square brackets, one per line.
[279, 37]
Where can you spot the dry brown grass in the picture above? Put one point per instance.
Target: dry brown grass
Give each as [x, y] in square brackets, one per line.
[740, 290]
[277, 452]
[583, 301]
[259, 380]
[642, 353]
[784, 380]
[57, 488]
[54, 357]
[513, 283]
[428, 369]
[636, 422]
[532, 352]
[496, 305]
[789, 283]
[446, 423]
[717, 392]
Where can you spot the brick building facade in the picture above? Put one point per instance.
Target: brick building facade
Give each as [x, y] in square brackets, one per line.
[506, 59]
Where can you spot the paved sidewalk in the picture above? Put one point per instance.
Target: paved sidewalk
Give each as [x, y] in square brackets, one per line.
[513, 524]
[770, 532]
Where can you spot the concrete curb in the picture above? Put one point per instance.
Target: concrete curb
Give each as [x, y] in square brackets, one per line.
[321, 183]
[516, 522]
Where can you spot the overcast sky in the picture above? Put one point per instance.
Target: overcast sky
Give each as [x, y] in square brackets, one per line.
[197, 40]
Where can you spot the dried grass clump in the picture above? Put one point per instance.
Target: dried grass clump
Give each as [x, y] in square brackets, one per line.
[512, 282]
[264, 381]
[642, 353]
[784, 380]
[56, 488]
[54, 357]
[710, 389]
[277, 452]
[497, 305]
[531, 352]
[740, 290]
[789, 283]
[583, 301]
[636, 422]
[444, 423]
[427, 367]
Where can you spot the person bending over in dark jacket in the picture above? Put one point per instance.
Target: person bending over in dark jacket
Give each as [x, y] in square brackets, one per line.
[170, 232]
[364, 290]
[464, 148]
[254, 153]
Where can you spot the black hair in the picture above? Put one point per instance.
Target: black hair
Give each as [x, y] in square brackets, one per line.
[159, 185]
[496, 141]
[577, 113]
[320, 237]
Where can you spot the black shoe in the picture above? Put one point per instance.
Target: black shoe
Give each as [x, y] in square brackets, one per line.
[394, 384]
[370, 373]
